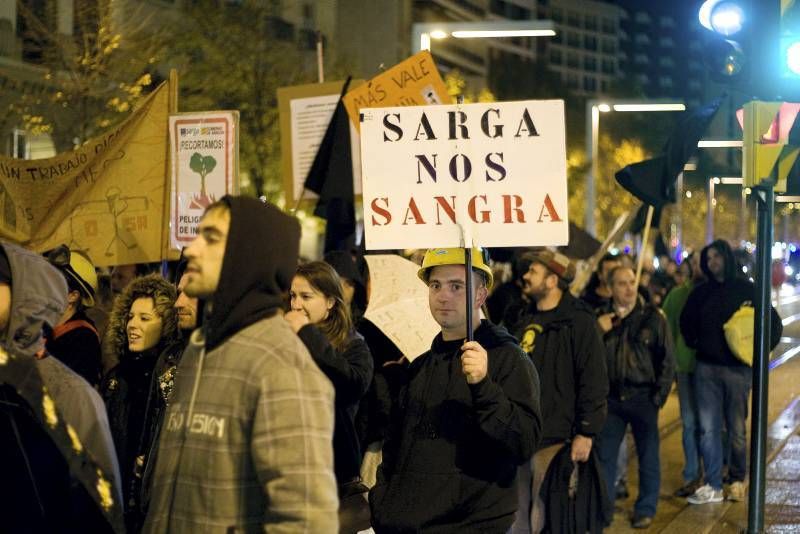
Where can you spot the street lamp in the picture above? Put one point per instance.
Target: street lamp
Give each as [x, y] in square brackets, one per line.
[593, 110]
[423, 32]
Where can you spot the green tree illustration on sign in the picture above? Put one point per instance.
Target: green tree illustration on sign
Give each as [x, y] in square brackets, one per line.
[202, 165]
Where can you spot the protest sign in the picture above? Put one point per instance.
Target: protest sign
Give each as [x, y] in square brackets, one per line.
[106, 198]
[204, 150]
[488, 174]
[305, 112]
[413, 82]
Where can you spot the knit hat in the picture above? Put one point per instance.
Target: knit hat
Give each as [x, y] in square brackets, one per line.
[556, 262]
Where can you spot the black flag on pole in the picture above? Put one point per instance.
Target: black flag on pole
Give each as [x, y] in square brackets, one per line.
[653, 180]
[331, 177]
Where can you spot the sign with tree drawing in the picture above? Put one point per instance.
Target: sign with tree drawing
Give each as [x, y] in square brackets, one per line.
[204, 154]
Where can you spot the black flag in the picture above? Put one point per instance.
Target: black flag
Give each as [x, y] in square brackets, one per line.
[653, 180]
[331, 177]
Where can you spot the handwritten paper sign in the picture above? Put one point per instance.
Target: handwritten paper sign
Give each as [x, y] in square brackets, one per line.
[413, 82]
[398, 303]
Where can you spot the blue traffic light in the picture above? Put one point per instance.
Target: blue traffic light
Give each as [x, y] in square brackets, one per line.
[792, 57]
[725, 17]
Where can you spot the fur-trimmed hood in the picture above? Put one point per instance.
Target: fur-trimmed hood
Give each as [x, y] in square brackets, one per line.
[115, 341]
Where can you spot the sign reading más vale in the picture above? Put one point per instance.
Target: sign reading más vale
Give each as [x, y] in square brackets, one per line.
[493, 174]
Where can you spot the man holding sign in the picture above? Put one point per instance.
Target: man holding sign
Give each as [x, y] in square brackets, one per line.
[467, 415]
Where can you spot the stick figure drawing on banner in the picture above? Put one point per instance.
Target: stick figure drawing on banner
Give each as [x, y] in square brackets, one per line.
[87, 219]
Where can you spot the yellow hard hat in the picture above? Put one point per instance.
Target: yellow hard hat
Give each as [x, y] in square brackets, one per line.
[77, 267]
[455, 256]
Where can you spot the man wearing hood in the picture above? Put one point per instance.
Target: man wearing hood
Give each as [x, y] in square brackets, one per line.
[722, 382]
[246, 444]
[40, 490]
[466, 417]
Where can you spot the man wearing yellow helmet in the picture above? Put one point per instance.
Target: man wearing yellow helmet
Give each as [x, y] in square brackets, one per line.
[74, 340]
[466, 416]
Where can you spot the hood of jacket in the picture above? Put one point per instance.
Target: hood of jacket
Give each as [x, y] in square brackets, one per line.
[723, 249]
[260, 260]
[38, 298]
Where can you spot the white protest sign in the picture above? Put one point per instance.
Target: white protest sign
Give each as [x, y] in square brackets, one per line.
[204, 154]
[493, 174]
[310, 118]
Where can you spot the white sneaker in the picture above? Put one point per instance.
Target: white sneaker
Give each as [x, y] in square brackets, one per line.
[705, 494]
[736, 492]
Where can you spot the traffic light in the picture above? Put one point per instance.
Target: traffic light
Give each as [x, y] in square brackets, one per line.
[790, 39]
[728, 40]
[753, 46]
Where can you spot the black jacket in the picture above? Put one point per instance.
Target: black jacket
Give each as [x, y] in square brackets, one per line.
[640, 354]
[350, 372]
[135, 392]
[588, 509]
[566, 348]
[451, 457]
[77, 344]
[708, 308]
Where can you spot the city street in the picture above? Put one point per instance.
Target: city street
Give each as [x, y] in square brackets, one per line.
[782, 512]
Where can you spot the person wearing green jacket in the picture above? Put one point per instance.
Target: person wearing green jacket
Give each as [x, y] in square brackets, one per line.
[685, 360]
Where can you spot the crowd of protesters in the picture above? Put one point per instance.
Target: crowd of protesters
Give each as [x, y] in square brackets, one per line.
[243, 389]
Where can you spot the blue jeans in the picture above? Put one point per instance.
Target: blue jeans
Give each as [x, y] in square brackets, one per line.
[722, 393]
[640, 412]
[691, 427]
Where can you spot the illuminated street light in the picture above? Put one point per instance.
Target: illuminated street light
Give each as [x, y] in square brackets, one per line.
[719, 143]
[593, 110]
[423, 32]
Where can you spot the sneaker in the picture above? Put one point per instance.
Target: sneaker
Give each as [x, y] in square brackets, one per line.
[641, 521]
[621, 491]
[688, 488]
[736, 491]
[705, 494]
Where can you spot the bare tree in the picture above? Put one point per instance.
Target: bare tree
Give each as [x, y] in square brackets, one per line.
[93, 74]
[236, 57]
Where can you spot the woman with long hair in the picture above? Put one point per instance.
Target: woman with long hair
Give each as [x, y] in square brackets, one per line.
[322, 320]
[143, 335]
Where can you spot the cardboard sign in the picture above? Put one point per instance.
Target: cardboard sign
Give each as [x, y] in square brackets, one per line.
[397, 304]
[106, 198]
[204, 154]
[413, 82]
[488, 174]
[305, 112]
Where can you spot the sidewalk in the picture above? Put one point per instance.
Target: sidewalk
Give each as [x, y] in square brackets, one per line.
[782, 498]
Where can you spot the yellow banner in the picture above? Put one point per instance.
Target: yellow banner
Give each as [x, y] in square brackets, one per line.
[412, 82]
[105, 198]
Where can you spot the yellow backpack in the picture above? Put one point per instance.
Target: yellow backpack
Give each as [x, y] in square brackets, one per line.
[739, 332]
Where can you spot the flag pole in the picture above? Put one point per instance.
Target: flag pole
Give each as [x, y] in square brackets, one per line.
[299, 199]
[645, 237]
[320, 66]
[172, 108]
